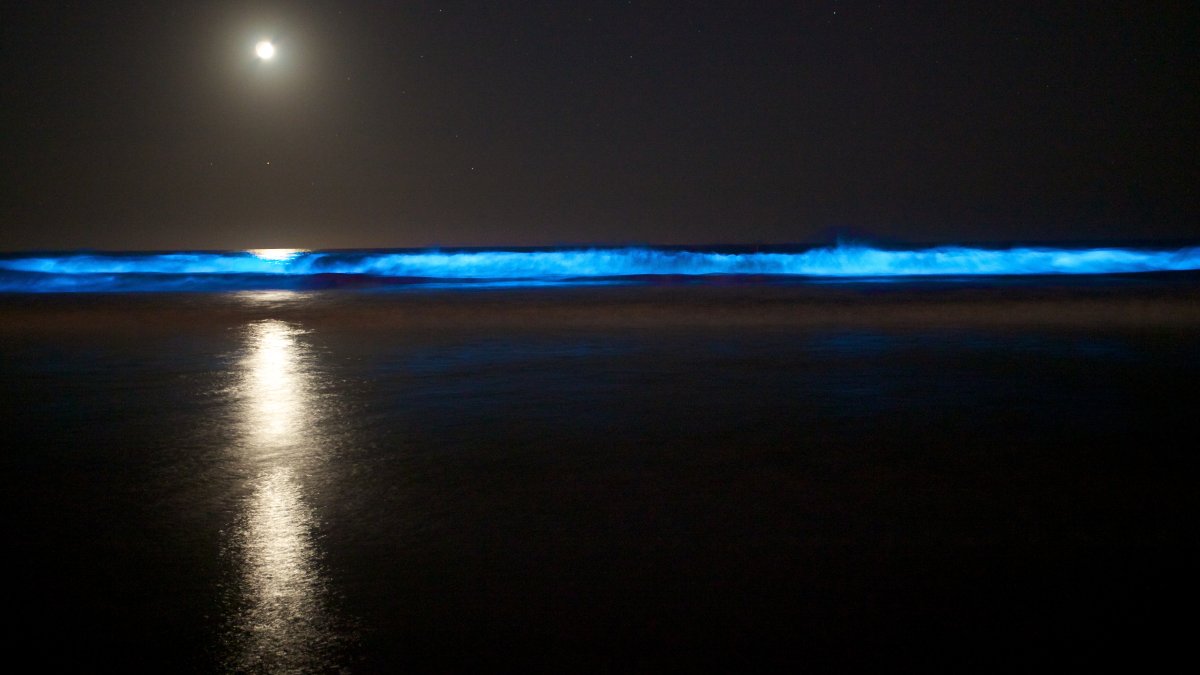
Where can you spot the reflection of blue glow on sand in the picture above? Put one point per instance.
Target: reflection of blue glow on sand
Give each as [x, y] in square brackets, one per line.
[304, 269]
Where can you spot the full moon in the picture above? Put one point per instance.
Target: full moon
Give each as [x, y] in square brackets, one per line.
[265, 50]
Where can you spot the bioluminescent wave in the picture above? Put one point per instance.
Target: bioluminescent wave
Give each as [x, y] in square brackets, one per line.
[295, 269]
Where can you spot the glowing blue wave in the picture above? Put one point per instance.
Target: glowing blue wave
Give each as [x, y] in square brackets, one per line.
[306, 269]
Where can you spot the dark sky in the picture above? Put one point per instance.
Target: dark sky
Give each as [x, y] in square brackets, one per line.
[150, 125]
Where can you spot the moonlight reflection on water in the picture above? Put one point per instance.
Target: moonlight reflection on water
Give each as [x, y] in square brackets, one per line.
[282, 620]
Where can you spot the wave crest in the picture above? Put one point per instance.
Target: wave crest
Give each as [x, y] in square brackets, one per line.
[245, 269]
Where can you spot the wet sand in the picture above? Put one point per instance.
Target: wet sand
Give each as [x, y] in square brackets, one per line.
[605, 478]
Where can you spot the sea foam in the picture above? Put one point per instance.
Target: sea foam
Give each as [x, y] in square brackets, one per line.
[234, 270]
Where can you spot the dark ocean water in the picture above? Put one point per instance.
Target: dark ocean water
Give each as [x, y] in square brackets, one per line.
[964, 473]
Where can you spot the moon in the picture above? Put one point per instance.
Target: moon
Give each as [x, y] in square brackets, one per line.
[265, 50]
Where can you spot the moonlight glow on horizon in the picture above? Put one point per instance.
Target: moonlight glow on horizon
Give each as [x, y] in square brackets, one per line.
[265, 50]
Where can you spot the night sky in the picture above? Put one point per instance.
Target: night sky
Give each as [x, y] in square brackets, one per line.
[151, 125]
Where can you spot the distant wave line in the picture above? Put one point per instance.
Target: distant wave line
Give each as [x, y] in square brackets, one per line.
[581, 263]
[58, 270]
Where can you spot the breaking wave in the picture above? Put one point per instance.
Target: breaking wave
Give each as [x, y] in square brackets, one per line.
[278, 269]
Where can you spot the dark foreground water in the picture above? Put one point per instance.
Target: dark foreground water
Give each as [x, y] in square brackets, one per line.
[811, 476]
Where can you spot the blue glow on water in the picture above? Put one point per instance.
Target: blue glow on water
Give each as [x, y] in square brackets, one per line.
[289, 268]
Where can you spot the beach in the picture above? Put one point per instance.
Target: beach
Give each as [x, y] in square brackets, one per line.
[630, 477]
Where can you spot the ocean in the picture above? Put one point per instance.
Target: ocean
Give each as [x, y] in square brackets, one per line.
[628, 460]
